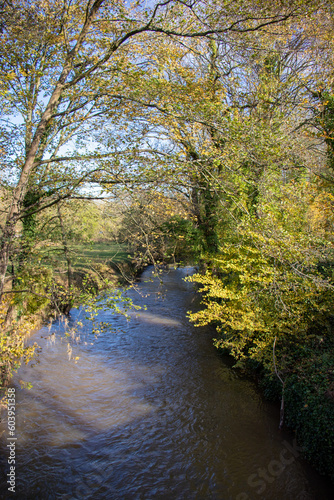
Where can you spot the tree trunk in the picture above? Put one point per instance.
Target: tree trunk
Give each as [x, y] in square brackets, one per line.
[5, 251]
[66, 251]
[22, 186]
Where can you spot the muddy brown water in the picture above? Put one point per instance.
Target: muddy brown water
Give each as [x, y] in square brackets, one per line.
[148, 411]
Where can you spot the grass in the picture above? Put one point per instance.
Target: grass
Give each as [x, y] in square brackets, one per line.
[85, 254]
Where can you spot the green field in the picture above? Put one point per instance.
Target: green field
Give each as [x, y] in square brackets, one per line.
[87, 254]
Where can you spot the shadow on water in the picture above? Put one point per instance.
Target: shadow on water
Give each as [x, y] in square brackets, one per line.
[151, 412]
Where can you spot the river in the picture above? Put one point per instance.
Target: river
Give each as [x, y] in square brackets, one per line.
[148, 411]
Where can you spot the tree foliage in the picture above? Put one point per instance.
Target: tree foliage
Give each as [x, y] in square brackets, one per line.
[212, 122]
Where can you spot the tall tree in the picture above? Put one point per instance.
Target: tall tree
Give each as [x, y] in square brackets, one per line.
[60, 58]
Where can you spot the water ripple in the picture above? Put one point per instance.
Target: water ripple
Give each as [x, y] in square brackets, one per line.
[149, 412]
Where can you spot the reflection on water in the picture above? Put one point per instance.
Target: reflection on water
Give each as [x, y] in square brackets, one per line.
[154, 319]
[149, 412]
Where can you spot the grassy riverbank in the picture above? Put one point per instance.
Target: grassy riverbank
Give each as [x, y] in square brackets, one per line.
[86, 255]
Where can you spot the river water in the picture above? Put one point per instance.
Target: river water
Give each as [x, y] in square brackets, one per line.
[148, 411]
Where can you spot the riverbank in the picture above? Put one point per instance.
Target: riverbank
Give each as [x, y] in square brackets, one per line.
[304, 391]
[308, 404]
[308, 401]
[280, 332]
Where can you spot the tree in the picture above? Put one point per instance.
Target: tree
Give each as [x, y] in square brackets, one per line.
[61, 59]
